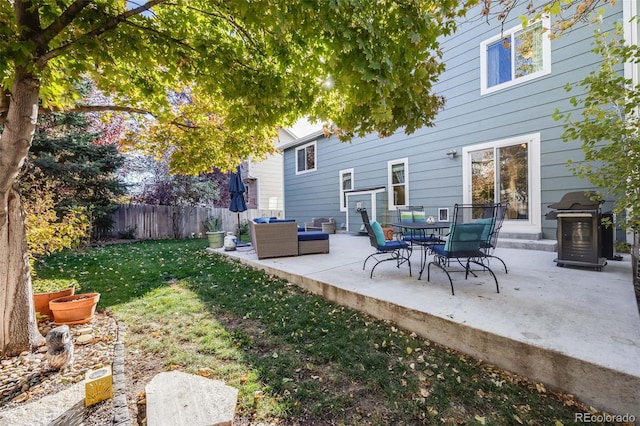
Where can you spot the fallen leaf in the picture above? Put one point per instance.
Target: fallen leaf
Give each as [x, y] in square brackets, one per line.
[481, 420]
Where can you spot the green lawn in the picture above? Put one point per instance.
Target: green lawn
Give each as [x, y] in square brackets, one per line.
[295, 358]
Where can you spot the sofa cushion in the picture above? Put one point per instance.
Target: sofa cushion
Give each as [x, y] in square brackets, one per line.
[312, 236]
[271, 219]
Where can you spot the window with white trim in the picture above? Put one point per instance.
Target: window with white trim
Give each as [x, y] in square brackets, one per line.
[398, 183]
[306, 158]
[515, 56]
[346, 184]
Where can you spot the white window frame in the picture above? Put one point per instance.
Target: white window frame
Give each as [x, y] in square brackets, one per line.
[405, 162]
[546, 59]
[315, 157]
[533, 223]
[631, 30]
[443, 214]
[343, 198]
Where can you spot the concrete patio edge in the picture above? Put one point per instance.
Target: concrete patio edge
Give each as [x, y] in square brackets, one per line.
[607, 389]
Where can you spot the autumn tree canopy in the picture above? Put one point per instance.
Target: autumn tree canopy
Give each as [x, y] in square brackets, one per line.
[213, 79]
[209, 81]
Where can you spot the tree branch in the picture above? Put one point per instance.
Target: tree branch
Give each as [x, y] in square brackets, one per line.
[103, 28]
[46, 35]
[113, 108]
[97, 108]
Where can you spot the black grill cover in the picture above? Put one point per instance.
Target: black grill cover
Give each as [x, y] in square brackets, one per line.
[576, 201]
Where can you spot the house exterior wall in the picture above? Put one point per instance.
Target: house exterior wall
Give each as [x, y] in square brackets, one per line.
[469, 120]
[265, 177]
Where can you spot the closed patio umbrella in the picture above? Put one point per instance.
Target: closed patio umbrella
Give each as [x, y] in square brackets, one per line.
[237, 190]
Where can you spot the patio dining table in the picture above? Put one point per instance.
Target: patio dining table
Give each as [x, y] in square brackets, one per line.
[424, 234]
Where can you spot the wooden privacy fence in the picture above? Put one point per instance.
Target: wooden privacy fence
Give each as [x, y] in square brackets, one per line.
[144, 221]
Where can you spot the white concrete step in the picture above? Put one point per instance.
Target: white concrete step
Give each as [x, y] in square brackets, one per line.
[516, 243]
[175, 398]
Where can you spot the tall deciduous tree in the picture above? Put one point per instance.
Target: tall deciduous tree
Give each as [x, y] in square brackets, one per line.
[609, 127]
[212, 80]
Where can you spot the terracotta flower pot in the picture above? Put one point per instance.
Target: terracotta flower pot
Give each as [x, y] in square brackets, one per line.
[76, 309]
[41, 300]
[388, 233]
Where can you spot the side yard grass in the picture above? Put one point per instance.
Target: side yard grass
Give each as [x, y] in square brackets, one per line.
[295, 358]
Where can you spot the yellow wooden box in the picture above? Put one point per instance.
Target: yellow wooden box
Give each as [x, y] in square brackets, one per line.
[98, 385]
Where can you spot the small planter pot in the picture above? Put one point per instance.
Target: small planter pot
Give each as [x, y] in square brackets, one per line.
[41, 300]
[388, 233]
[216, 239]
[76, 309]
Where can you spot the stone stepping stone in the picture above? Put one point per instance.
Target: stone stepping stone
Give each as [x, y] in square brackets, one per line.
[177, 398]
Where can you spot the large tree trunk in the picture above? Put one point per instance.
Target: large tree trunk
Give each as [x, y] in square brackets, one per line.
[18, 329]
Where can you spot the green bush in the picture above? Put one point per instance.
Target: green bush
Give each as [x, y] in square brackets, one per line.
[212, 224]
[623, 247]
[47, 285]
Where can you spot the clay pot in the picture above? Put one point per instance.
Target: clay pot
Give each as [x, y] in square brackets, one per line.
[41, 300]
[388, 233]
[216, 239]
[76, 309]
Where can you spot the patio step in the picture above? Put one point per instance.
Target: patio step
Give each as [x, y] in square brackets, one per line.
[176, 398]
[517, 243]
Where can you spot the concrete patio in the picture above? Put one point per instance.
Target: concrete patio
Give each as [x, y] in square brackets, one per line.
[577, 330]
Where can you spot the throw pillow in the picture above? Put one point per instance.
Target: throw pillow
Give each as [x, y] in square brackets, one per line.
[406, 216]
[419, 217]
[377, 231]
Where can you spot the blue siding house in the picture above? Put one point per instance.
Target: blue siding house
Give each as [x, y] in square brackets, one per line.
[495, 139]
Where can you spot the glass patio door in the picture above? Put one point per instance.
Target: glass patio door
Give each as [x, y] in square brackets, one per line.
[501, 174]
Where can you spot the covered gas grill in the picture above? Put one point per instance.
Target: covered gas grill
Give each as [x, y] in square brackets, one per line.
[579, 230]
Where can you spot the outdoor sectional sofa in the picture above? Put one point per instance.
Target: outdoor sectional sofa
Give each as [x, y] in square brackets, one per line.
[281, 237]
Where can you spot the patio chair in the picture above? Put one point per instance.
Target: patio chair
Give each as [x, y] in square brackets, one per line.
[472, 224]
[414, 214]
[490, 245]
[396, 250]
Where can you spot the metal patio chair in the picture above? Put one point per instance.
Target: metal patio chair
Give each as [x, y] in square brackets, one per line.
[472, 225]
[396, 250]
[489, 246]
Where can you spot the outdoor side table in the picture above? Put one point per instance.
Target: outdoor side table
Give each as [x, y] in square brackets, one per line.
[329, 227]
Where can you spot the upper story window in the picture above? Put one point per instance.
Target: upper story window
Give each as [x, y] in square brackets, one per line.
[306, 158]
[515, 56]
[398, 183]
[346, 184]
